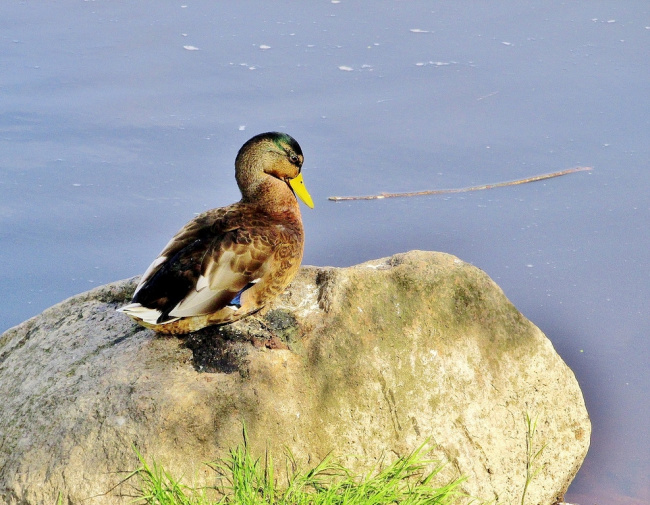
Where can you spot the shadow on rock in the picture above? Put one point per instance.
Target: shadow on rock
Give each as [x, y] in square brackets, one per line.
[223, 349]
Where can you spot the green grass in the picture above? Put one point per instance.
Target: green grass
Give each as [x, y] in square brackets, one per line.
[532, 454]
[243, 480]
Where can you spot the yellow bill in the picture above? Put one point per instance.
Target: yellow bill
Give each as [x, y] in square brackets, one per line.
[298, 186]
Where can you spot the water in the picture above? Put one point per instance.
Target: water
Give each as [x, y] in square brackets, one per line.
[113, 134]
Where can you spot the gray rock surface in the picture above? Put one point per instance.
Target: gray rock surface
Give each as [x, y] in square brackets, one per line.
[364, 362]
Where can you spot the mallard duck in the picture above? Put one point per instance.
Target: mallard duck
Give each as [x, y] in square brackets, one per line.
[227, 263]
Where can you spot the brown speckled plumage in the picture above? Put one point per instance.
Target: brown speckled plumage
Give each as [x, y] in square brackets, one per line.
[227, 263]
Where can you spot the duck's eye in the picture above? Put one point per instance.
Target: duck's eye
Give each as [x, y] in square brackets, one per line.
[293, 157]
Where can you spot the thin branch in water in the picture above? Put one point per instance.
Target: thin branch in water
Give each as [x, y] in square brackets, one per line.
[462, 190]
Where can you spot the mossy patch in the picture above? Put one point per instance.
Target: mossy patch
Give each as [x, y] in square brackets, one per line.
[284, 325]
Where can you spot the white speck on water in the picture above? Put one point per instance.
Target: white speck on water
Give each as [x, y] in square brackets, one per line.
[336, 1]
[611, 21]
[183, 6]
[506, 43]
[242, 128]
[264, 47]
[434, 63]
[418, 30]
[486, 96]
[529, 265]
[191, 48]
[345, 68]
[184, 34]
[76, 184]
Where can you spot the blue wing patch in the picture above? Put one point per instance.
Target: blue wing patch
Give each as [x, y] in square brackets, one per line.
[235, 303]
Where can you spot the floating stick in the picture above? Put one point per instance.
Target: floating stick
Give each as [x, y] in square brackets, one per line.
[462, 190]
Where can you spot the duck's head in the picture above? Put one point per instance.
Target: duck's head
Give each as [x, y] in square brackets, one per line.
[271, 154]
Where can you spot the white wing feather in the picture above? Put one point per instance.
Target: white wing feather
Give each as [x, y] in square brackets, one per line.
[146, 314]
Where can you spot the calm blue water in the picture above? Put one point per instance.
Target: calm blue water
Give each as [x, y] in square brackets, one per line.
[113, 134]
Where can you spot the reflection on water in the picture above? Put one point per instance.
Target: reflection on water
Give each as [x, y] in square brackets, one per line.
[120, 121]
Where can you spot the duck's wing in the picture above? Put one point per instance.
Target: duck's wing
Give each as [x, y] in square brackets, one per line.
[186, 238]
[232, 264]
[203, 269]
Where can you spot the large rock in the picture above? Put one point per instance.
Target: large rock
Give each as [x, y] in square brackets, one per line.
[365, 362]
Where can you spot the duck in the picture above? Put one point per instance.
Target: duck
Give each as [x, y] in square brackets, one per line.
[228, 263]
